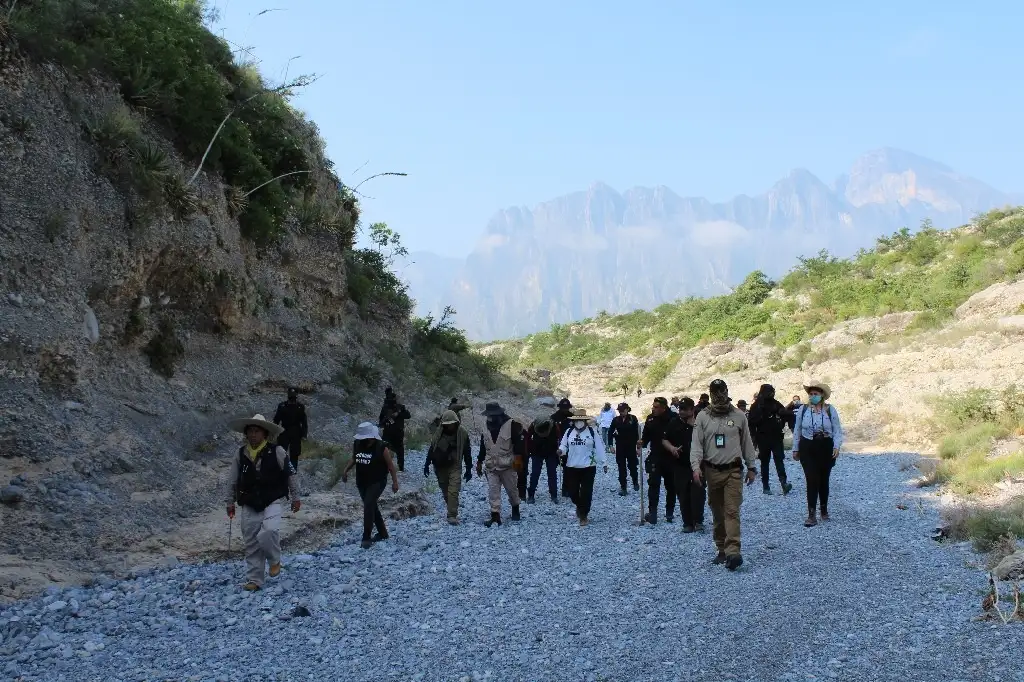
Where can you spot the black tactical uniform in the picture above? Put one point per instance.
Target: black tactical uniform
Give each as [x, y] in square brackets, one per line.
[291, 415]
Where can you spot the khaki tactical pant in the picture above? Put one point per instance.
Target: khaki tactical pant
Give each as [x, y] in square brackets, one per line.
[261, 533]
[725, 495]
[449, 480]
[498, 479]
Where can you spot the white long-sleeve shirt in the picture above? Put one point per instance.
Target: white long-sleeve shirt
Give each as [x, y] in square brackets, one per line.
[582, 448]
[605, 418]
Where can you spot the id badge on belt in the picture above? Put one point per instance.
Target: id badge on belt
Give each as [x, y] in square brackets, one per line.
[719, 440]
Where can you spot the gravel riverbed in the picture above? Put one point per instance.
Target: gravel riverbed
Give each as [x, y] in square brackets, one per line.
[868, 596]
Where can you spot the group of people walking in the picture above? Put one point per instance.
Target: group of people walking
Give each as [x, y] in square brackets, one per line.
[701, 453]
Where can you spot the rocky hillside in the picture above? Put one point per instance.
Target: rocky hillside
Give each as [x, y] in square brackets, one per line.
[143, 302]
[601, 250]
[919, 324]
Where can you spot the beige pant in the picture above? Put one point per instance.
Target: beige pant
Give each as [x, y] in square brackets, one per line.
[449, 480]
[725, 495]
[261, 533]
[498, 479]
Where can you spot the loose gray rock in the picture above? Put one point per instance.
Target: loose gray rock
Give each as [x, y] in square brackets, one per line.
[12, 494]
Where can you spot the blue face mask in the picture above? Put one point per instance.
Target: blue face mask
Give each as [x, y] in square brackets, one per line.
[815, 399]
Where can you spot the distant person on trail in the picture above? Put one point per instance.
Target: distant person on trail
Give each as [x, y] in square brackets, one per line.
[392, 423]
[794, 405]
[448, 448]
[661, 426]
[542, 448]
[372, 460]
[500, 444]
[624, 435]
[674, 404]
[817, 439]
[720, 446]
[768, 419]
[639, 391]
[260, 477]
[741, 405]
[604, 420]
[291, 416]
[692, 496]
[582, 451]
[702, 403]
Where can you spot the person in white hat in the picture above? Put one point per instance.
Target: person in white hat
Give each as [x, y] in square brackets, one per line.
[817, 438]
[583, 450]
[372, 459]
[259, 479]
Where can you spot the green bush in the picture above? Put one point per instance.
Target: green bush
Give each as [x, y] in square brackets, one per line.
[171, 68]
[660, 369]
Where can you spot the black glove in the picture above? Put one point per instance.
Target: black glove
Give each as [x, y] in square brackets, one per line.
[648, 465]
[426, 469]
[563, 459]
[469, 474]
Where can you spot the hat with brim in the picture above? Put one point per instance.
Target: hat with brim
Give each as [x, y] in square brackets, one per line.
[367, 431]
[623, 406]
[241, 424]
[449, 417]
[493, 410]
[543, 427]
[826, 392]
[579, 413]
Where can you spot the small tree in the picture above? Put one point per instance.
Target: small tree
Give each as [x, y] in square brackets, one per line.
[388, 244]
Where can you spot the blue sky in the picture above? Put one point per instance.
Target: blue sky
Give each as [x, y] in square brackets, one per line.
[492, 104]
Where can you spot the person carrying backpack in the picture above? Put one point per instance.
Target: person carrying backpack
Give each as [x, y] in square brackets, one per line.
[768, 419]
[623, 434]
[449, 445]
[817, 439]
[543, 452]
[582, 450]
[501, 444]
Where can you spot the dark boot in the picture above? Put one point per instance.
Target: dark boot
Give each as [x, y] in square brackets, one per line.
[734, 562]
[495, 519]
[529, 499]
[515, 513]
[669, 518]
[767, 489]
[554, 499]
[650, 518]
[786, 487]
[636, 486]
[688, 529]
[622, 492]
[366, 544]
[719, 559]
[380, 536]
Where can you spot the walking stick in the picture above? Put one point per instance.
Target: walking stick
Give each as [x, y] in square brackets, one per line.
[640, 466]
[231, 522]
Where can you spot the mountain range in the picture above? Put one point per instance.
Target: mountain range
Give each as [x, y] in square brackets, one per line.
[601, 250]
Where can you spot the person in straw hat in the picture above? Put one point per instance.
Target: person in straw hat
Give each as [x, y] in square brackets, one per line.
[500, 444]
[372, 460]
[448, 446]
[817, 438]
[259, 479]
[583, 451]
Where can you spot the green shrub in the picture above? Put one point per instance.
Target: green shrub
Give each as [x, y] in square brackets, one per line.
[659, 369]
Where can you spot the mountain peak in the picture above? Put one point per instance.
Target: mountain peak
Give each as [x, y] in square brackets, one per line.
[896, 160]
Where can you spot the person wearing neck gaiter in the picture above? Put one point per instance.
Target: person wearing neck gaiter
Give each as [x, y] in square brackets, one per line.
[719, 448]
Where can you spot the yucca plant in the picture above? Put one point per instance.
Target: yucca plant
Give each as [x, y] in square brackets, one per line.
[181, 199]
[236, 199]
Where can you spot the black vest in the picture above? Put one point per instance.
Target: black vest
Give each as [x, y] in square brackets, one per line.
[262, 482]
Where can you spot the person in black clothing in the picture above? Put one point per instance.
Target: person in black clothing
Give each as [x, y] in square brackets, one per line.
[624, 434]
[563, 422]
[692, 496]
[392, 423]
[291, 416]
[702, 402]
[767, 419]
[663, 425]
[543, 451]
[372, 461]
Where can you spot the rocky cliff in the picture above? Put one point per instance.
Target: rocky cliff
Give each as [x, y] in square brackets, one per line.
[576, 255]
[139, 311]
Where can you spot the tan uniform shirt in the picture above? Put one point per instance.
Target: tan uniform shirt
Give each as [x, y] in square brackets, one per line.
[732, 427]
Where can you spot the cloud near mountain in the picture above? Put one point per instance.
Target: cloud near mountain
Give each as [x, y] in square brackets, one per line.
[599, 249]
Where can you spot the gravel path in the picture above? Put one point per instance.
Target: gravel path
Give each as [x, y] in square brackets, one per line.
[868, 596]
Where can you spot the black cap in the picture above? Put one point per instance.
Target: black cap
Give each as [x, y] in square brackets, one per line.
[686, 404]
[564, 402]
[292, 391]
[718, 385]
[623, 406]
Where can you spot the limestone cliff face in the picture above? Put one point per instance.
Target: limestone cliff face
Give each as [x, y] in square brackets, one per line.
[576, 255]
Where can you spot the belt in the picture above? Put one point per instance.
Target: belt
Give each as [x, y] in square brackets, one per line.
[735, 464]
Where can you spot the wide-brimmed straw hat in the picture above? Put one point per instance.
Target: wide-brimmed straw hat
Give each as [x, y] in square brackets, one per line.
[259, 420]
[826, 391]
[579, 413]
[367, 431]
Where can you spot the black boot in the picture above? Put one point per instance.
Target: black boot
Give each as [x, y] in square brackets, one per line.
[554, 499]
[495, 519]
[650, 518]
[636, 486]
[733, 562]
[515, 513]
[530, 500]
[622, 492]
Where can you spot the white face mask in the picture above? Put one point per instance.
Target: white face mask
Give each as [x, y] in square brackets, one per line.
[579, 425]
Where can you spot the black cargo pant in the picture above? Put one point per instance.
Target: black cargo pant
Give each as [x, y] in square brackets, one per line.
[626, 457]
[292, 442]
[768, 449]
[816, 460]
[370, 493]
[661, 472]
[397, 448]
[692, 496]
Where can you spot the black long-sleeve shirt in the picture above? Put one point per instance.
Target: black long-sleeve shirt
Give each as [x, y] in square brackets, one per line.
[624, 432]
[392, 421]
[768, 418]
[291, 416]
[666, 427]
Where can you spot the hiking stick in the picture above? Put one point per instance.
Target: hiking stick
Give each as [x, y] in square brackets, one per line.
[640, 466]
[231, 523]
